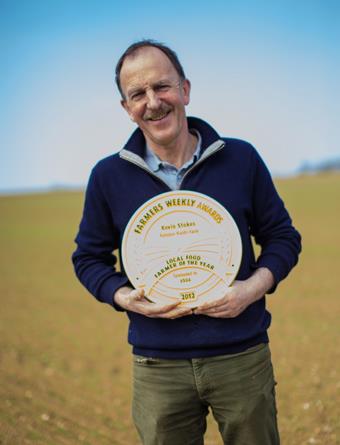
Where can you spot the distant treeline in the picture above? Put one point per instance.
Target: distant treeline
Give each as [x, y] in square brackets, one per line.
[323, 166]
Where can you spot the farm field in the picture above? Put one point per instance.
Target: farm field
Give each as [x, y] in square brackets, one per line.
[65, 365]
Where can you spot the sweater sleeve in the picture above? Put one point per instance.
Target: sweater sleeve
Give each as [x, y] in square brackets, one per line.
[93, 260]
[271, 225]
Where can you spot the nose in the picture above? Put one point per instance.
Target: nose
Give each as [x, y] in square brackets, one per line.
[152, 100]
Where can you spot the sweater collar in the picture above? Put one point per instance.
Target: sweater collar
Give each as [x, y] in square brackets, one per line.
[136, 142]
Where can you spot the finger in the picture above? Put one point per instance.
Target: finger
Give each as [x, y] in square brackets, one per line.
[223, 314]
[137, 294]
[214, 304]
[169, 311]
[212, 310]
[151, 309]
[227, 311]
[177, 313]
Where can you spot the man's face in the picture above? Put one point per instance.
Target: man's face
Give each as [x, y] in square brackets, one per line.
[155, 96]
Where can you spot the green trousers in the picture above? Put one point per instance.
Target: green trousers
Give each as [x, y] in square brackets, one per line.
[171, 399]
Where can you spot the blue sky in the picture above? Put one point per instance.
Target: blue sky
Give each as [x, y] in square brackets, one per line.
[264, 71]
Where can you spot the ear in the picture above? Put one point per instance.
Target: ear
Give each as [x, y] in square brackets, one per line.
[186, 87]
[127, 109]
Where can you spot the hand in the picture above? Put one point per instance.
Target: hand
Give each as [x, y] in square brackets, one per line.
[235, 301]
[134, 300]
[239, 296]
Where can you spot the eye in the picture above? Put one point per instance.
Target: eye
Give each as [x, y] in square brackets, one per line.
[163, 87]
[136, 96]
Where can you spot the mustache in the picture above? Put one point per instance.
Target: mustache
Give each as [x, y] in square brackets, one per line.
[155, 114]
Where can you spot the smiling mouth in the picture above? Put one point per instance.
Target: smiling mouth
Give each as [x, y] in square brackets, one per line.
[158, 117]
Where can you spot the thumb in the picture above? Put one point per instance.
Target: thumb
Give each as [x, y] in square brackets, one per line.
[137, 294]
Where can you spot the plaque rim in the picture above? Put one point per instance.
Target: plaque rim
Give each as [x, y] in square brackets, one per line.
[172, 194]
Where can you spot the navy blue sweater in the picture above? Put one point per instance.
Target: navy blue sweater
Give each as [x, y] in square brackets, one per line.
[230, 171]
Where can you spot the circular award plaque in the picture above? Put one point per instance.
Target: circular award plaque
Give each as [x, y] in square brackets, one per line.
[182, 245]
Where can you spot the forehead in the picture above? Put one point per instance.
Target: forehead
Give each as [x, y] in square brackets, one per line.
[146, 65]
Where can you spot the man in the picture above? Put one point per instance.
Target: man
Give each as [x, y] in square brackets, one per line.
[216, 356]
